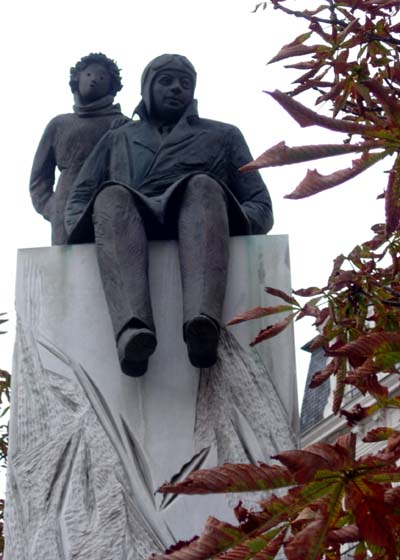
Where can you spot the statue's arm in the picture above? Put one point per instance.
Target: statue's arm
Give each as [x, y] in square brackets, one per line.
[249, 188]
[41, 184]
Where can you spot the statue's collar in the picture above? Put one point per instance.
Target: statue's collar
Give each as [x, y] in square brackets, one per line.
[190, 113]
[100, 107]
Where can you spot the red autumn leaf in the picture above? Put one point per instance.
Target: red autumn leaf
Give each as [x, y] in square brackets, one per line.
[392, 497]
[341, 279]
[273, 541]
[337, 344]
[385, 96]
[337, 455]
[337, 263]
[356, 361]
[280, 154]
[379, 229]
[394, 71]
[317, 342]
[306, 117]
[378, 434]
[309, 310]
[323, 315]
[356, 414]
[304, 65]
[283, 295]
[368, 507]
[379, 469]
[216, 537]
[291, 47]
[333, 93]
[321, 376]
[303, 464]
[366, 369]
[305, 516]
[351, 27]
[272, 548]
[231, 478]
[257, 313]
[347, 534]
[393, 445]
[365, 345]
[314, 182]
[310, 84]
[375, 388]
[241, 513]
[392, 199]
[347, 444]
[178, 546]
[293, 50]
[272, 330]
[338, 392]
[308, 292]
[306, 545]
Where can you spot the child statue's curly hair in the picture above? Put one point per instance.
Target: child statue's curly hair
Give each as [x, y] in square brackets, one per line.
[99, 58]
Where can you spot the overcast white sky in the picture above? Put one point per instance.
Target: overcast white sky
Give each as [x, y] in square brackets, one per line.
[229, 46]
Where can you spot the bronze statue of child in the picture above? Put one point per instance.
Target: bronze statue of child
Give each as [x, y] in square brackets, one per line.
[69, 138]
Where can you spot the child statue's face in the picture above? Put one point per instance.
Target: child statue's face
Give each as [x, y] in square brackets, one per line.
[94, 82]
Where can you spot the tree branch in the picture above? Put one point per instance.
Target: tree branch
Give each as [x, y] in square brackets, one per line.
[332, 21]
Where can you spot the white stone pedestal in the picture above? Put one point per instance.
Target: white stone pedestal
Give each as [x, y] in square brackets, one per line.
[89, 446]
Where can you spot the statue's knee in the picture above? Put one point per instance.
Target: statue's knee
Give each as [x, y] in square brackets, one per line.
[110, 196]
[201, 181]
[203, 186]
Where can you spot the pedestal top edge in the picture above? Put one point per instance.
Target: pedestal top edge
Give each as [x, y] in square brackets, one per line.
[269, 239]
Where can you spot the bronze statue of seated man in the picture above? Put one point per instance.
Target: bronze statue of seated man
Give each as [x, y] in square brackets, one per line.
[169, 175]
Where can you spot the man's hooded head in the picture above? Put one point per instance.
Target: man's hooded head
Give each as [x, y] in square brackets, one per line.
[163, 63]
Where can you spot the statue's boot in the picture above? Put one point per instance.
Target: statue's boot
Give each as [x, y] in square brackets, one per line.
[134, 348]
[122, 254]
[201, 335]
[203, 231]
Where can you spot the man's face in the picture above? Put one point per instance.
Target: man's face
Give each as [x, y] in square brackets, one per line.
[94, 82]
[172, 91]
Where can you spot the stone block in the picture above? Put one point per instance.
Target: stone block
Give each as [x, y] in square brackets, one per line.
[89, 446]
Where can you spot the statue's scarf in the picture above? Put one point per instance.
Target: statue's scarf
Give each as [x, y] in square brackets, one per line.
[99, 108]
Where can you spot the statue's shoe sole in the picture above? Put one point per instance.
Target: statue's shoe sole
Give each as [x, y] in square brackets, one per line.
[202, 336]
[134, 369]
[134, 348]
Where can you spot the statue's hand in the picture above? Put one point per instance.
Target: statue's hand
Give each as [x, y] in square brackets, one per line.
[48, 208]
